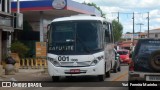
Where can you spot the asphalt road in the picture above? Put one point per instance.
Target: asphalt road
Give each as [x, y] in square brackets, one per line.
[81, 83]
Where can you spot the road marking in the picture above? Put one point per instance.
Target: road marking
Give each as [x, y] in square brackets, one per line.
[120, 77]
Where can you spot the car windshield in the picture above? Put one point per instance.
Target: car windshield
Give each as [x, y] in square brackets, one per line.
[122, 52]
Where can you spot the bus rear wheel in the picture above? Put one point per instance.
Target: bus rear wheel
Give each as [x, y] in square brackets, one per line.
[55, 78]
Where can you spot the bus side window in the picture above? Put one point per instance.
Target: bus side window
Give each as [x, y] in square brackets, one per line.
[107, 33]
[111, 32]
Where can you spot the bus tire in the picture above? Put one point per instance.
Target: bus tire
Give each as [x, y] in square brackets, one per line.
[101, 77]
[108, 74]
[119, 68]
[55, 78]
[115, 69]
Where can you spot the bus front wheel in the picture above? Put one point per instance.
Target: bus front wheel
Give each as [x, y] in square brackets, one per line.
[108, 74]
[55, 78]
[101, 77]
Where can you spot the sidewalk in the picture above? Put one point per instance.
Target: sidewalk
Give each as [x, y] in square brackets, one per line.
[25, 75]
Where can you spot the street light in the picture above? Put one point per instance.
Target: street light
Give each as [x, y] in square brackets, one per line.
[140, 24]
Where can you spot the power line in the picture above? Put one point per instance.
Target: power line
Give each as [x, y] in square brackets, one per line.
[148, 24]
[148, 18]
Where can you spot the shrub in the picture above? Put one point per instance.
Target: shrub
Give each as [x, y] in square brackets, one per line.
[20, 48]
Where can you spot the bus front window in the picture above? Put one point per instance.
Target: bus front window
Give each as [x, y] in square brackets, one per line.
[74, 37]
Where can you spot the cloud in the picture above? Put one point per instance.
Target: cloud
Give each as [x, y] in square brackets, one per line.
[140, 7]
[155, 13]
[149, 4]
[129, 4]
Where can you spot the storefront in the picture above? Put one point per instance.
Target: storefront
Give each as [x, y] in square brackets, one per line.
[6, 27]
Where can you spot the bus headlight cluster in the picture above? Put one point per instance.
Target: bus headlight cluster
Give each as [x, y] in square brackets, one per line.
[94, 62]
[53, 61]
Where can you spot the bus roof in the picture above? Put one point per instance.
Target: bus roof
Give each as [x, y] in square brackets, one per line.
[80, 17]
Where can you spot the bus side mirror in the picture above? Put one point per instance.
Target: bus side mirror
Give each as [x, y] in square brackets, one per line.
[48, 27]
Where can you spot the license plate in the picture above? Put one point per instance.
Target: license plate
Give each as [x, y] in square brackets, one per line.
[153, 78]
[75, 71]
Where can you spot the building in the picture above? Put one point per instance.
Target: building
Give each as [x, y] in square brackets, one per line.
[142, 35]
[6, 26]
[128, 43]
[154, 33]
[39, 13]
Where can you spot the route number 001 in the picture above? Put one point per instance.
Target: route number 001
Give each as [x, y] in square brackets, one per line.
[63, 58]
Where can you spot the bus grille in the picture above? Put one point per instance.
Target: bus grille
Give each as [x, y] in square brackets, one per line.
[79, 64]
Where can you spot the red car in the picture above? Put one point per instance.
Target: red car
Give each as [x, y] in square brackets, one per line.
[124, 56]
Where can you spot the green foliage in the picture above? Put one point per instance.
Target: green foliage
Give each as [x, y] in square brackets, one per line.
[98, 8]
[117, 30]
[20, 48]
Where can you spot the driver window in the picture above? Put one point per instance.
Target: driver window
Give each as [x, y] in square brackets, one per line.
[107, 33]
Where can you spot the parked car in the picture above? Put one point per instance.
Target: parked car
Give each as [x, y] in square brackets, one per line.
[124, 56]
[145, 65]
[117, 66]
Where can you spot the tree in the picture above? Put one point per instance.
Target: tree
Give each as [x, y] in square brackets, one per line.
[128, 33]
[98, 8]
[117, 30]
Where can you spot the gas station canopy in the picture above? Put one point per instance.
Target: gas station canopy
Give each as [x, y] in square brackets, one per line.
[39, 13]
[52, 9]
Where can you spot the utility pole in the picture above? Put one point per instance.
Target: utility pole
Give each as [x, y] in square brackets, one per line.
[118, 17]
[133, 23]
[133, 31]
[140, 24]
[148, 24]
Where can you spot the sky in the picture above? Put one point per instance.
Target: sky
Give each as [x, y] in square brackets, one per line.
[126, 9]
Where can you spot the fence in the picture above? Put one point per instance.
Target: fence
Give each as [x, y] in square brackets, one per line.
[30, 63]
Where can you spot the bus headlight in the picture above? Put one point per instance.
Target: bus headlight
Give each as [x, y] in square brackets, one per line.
[53, 61]
[94, 62]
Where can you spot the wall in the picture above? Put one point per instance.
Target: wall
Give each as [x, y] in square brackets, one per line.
[0, 45]
[152, 35]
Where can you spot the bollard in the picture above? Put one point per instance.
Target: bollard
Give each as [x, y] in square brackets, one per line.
[45, 63]
[23, 63]
[1, 70]
[36, 63]
[41, 61]
[27, 63]
[32, 63]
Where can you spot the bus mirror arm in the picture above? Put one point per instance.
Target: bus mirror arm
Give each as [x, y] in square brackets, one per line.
[48, 26]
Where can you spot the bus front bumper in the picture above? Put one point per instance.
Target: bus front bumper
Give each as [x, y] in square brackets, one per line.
[75, 71]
